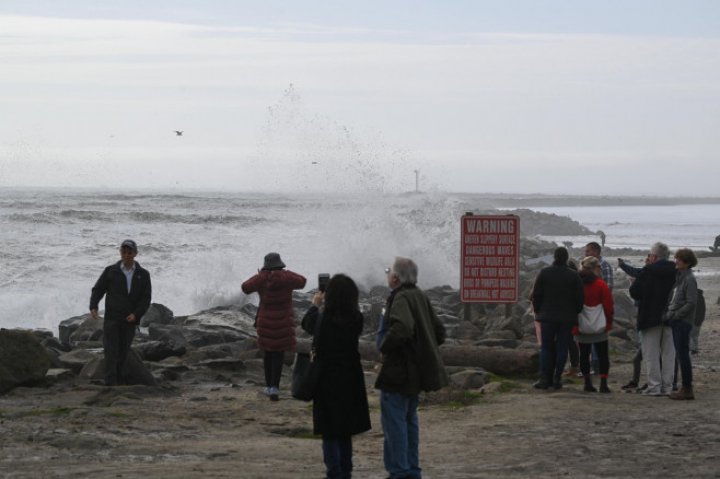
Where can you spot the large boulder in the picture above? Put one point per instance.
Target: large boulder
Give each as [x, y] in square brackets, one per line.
[68, 326]
[80, 329]
[78, 358]
[157, 314]
[23, 359]
[135, 370]
[158, 350]
[168, 334]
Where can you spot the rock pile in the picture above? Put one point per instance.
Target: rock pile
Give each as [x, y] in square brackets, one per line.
[219, 344]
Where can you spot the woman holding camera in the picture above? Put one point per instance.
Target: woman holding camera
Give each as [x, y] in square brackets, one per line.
[340, 406]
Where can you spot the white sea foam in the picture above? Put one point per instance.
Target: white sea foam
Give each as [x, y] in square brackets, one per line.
[200, 247]
[53, 258]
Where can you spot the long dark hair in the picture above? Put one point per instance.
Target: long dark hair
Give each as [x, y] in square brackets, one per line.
[341, 297]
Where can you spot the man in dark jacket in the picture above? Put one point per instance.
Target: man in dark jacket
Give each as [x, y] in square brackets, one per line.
[411, 334]
[127, 290]
[557, 298]
[651, 289]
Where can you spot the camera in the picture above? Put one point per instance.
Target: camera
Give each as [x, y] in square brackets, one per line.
[323, 279]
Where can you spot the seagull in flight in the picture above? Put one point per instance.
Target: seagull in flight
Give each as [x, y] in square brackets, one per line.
[178, 132]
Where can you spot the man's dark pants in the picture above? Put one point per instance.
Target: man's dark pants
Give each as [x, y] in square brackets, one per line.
[681, 339]
[554, 349]
[117, 338]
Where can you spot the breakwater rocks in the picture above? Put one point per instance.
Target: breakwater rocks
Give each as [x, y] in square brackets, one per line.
[219, 344]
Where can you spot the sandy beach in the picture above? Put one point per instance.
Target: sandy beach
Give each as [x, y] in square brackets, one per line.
[228, 429]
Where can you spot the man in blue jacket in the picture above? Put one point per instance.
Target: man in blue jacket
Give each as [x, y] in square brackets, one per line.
[127, 290]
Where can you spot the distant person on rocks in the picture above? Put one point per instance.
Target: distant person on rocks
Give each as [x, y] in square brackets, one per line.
[716, 244]
[596, 294]
[601, 233]
[595, 250]
[410, 336]
[340, 406]
[652, 290]
[557, 298]
[680, 316]
[275, 321]
[127, 290]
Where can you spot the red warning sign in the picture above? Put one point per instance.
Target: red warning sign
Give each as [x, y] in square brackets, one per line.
[490, 259]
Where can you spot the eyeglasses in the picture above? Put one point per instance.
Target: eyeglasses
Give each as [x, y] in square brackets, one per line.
[387, 270]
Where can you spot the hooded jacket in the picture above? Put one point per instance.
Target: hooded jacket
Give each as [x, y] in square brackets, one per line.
[275, 318]
[411, 358]
[652, 289]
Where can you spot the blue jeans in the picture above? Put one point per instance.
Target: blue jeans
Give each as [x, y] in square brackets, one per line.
[398, 414]
[337, 455]
[555, 338]
[681, 340]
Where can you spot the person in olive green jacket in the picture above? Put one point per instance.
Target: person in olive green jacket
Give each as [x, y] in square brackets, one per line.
[408, 338]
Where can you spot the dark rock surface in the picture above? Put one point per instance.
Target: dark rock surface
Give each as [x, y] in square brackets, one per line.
[23, 360]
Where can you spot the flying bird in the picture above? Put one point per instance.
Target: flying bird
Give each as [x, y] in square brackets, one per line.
[178, 132]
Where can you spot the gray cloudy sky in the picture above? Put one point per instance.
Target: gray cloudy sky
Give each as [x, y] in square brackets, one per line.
[556, 96]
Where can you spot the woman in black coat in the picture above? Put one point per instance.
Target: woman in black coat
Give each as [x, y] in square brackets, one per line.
[340, 407]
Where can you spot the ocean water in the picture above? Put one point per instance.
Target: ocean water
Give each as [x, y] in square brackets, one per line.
[200, 247]
[690, 226]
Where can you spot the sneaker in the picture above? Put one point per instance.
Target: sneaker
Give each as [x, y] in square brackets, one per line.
[274, 394]
[572, 371]
[631, 385]
[267, 391]
[653, 392]
[541, 384]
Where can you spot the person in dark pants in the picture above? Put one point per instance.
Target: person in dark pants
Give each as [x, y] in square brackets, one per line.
[557, 298]
[634, 383]
[681, 316]
[275, 320]
[127, 290]
[340, 406]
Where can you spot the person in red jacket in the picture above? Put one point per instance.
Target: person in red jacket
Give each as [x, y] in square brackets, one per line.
[597, 293]
[275, 319]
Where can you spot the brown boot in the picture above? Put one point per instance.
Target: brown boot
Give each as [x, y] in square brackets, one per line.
[685, 392]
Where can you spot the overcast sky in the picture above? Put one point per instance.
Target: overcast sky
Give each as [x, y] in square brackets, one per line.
[517, 96]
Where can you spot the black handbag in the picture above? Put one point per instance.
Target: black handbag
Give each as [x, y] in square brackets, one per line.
[306, 370]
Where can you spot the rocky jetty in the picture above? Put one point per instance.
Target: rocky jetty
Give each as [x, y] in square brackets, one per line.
[219, 344]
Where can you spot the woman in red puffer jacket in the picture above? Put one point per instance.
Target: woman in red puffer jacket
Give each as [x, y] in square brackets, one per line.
[275, 319]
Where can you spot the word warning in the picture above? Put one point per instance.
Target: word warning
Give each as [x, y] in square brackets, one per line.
[489, 259]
